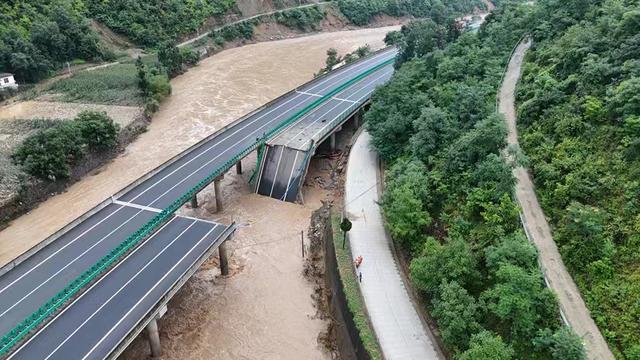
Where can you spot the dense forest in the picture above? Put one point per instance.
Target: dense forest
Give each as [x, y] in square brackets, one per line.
[361, 12]
[148, 23]
[579, 120]
[39, 36]
[448, 191]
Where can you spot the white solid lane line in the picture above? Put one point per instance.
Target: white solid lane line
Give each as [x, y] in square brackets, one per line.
[185, 178]
[68, 264]
[145, 295]
[120, 290]
[293, 167]
[273, 183]
[360, 99]
[136, 206]
[57, 251]
[336, 76]
[320, 117]
[329, 78]
[87, 291]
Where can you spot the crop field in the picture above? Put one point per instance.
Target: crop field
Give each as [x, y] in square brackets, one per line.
[113, 85]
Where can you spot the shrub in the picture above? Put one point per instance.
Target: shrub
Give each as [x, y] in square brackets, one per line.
[304, 19]
[98, 130]
[151, 106]
[189, 56]
[159, 87]
[48, 154]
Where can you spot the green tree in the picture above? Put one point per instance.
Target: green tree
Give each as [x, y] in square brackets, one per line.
[98, 130]
[583, 236]
[513, 249]
[143, 82]
[564, 344]
[487, 346]
[170, 57]
[332, 59]
[438, 263]
[420, 38]
[456, 313]
[393, 38]
[48, 154]
[433, 129]
[521, 303]
[406, 219]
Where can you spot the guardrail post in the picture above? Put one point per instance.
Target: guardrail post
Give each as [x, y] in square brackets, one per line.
[194, 201]
[224, 261]
[239, 167]
[218, 193]
[154, 338]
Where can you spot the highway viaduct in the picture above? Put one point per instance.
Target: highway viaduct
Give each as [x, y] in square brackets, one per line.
[89, 289]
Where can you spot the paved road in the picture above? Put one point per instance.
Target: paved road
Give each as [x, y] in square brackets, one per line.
[571, 304]
[32, 282]
[97, 321]
[401, 333]
[287, 156]
[205, 34]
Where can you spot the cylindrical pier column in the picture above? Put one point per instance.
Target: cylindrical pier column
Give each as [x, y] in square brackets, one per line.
[194, 201]
[239, 167]
[154, 338]
[218, 193]
[332, 142]
[224, 262]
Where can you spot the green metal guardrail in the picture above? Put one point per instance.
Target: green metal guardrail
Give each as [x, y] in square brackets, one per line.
[72, 289]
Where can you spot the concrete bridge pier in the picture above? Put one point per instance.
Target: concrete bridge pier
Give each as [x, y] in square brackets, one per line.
[194, 201]
[224, 261]
[154, 338]
[239, 167]
[332, 141]
[218, 192]
[357, 118]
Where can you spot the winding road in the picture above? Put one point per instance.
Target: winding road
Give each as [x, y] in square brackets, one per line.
[572, 305]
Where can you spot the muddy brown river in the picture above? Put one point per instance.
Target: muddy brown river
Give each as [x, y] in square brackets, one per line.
[264, 309]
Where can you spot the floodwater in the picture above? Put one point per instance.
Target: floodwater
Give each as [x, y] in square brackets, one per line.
[219, 90]
[264, 310]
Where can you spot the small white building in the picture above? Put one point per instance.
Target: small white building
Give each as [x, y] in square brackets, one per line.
[7, 81]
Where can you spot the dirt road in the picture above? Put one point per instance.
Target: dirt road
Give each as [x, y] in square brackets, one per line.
[571, 304]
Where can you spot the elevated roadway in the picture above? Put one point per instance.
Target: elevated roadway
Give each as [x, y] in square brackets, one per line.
[287, 155]
[41, 297]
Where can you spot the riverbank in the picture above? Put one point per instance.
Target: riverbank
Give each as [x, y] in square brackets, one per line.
[222, 317]
[207, 97]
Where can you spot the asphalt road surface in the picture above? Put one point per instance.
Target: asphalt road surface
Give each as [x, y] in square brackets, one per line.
[93, 325]
[34, 281]
[286, 158]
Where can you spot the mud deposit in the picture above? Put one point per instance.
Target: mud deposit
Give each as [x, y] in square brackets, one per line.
[264, 309]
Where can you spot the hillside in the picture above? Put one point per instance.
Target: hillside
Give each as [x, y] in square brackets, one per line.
[39, 37]
[449, 192]
[579, 117]
[448, 198]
